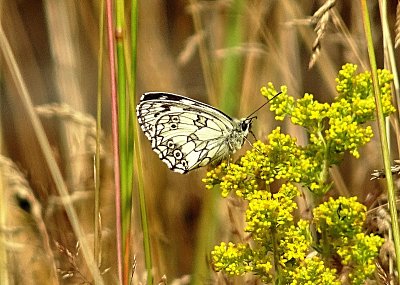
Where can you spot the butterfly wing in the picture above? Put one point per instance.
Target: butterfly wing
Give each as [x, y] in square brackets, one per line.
[185, 133]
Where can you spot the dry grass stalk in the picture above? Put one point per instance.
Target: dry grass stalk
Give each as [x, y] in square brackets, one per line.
[58, 203]
[243, 49]
[381, 275]
[379, 221]
[350, 39]
[184, 280]
[73, 271]
[320, 19]
[377, 174]
[397, 25]
[67, 113]
[191, 46]
[208, 6]
[163, 280]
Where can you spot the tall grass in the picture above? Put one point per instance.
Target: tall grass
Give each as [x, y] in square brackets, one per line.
[221, 52]
[382, 135]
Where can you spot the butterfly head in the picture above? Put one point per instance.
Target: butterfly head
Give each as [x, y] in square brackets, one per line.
[245, 124]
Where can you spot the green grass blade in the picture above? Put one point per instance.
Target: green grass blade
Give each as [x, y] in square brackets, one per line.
[382, 134]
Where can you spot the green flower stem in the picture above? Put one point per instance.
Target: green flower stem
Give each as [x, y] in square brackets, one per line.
[325, 245]
[276, 254]
[382, 135]
[325, 168]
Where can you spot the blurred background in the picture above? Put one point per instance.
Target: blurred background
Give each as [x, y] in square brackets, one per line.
[219, 52]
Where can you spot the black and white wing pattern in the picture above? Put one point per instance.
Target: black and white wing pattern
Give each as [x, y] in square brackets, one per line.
[187, 134]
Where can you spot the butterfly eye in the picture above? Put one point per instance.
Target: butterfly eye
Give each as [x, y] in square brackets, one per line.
[246, 125]
[174, 126]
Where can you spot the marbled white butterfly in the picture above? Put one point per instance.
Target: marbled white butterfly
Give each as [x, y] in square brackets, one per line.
[187, 134]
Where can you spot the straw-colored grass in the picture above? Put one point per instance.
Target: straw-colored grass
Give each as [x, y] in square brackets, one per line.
[221, 52]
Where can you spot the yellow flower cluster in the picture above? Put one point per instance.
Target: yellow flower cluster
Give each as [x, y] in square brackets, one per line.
[341, 217]
[360, 254]
[296, 243]
[233, 259]
[238, 259]
[337, 127]
[340, 222]
[309, 113]
[281, 159]
[313, 272]
[276, 238]
[282, 104]
[357, 90]
[268, 213]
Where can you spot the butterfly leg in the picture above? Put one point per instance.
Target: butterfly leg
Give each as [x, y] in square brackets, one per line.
[253, 146]
[254, 136]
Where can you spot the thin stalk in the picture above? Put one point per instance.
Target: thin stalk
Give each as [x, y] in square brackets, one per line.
[97, 246]
[230, 75]
[205, 236]
[276, 257]
[206, 63]
[390, 62]
[382, 134]
[122, 114]
[4, 278]
[143, 210]
[124, 137]
[51, 163]
[323, 177]
[232, 66]
[114, 122]
[136, 153]
[208, 222]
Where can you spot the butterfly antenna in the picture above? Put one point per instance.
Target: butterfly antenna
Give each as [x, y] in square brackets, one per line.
[264, 104]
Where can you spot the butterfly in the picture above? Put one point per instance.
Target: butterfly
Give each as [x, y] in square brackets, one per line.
[188, 134]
